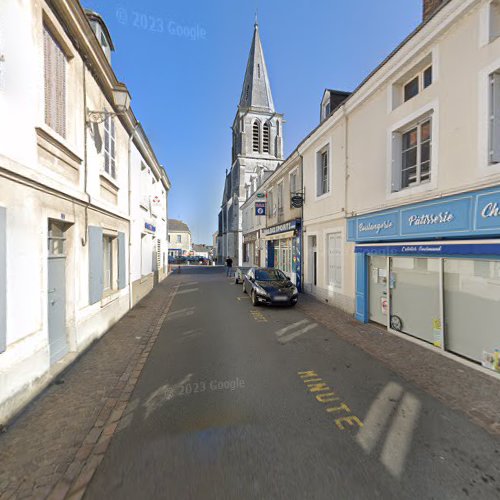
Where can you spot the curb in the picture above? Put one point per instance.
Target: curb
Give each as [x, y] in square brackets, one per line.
[91, 453]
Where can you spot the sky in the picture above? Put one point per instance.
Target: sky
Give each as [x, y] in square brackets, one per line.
[184, 63]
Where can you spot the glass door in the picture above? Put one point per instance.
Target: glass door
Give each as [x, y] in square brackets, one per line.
[415, 288]
[377, 289]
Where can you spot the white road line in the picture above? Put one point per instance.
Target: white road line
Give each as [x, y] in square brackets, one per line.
[190, 290]
[378, 416]
[398, 441]
[293, 335]
[291, 327]
[181, 311]
[191, 332]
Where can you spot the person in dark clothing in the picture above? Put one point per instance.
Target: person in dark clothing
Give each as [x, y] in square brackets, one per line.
[229, 264]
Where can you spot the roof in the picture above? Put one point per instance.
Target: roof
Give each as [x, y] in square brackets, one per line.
[201, 248]
[177, 226]
[256, 90]
[94, 16]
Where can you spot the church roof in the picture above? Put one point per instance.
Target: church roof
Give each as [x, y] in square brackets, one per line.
[256, 87]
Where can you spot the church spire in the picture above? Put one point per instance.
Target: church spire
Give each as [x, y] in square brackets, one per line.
[256, 87]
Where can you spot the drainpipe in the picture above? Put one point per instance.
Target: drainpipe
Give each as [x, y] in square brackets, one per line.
[131, 137]
[85, 168]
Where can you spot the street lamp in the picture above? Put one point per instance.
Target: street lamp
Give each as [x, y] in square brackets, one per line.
[121, 101]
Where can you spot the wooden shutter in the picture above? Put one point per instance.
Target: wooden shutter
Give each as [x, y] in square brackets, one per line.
[3, 279]
[54, 83]
[96, 264]
[122, 267]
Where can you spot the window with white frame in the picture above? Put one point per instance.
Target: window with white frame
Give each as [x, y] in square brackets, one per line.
[494, 119]
[108, 262]
[335, 260]
[55, 83]
[323, 172]
[494, 20]
[109, 146]
[417, 83]
[412, 155]
[179, 238]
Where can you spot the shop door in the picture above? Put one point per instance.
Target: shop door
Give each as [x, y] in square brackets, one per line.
[472, 307]
[377, 290]
[415, 297]
[58, 345]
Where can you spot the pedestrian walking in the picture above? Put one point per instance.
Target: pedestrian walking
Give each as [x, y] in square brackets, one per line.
[229, 264]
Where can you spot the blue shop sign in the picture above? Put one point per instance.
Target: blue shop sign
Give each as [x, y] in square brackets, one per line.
[471, 250]
[470, 214]
[149, 227]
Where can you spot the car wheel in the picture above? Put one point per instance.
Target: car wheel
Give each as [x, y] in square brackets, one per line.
[255, 302]
[244, 289]
[293, 304]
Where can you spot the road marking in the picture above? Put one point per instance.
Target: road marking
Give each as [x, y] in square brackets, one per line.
[378, 415]
[258, 316]
[291, 327]
[190, 290]
[398, 441]
[293, 335]
[342, 411]
[189, 283]
[188, 311]
[163, 394]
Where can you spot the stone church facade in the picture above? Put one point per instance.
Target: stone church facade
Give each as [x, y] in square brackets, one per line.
[256, 152]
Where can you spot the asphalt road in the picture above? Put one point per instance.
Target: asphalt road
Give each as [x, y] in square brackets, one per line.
[240, 402]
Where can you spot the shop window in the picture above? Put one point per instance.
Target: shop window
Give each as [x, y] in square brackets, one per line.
[323, 172]
[412, 155]
[55, 63]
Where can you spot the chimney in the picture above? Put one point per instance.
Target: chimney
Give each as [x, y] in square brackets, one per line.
[430, 7]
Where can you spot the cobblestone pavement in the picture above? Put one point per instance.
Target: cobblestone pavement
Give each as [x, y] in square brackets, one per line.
[455, 384]
[55, 445]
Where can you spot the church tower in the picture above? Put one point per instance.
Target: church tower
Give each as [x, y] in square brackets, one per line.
[257, 148]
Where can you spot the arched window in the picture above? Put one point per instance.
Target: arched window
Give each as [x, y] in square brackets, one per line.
[277, 127]
[256, 136]
[266, 137]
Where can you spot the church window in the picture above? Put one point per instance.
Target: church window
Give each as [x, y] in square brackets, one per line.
[247, 91]
[265, 141]
[258, 70]
[277, 127]
[256, 136]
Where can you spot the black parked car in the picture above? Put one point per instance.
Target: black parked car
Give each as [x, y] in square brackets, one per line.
[269, 286]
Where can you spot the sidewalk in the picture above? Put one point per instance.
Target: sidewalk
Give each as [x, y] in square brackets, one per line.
[55, 445]
[457, 385]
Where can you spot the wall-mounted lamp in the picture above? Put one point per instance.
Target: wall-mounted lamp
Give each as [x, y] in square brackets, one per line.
[121, 101]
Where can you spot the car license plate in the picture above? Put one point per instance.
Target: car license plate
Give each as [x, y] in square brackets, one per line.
[281, 298]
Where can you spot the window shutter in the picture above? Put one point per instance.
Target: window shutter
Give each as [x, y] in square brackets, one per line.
[122, 266]
[96, 263]
[495, 119]
[3, 279]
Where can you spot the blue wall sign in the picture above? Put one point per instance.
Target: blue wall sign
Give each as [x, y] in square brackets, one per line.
[149, 227]
[430, 250]
[467, 215]
[260, 208]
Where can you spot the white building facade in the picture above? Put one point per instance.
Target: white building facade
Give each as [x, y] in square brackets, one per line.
[402, 183]
[68, 240]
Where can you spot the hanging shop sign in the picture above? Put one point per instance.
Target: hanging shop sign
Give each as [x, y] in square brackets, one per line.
[468, 214]
[149, 227]
[261, 195]
[297, 200]
[260, 208]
